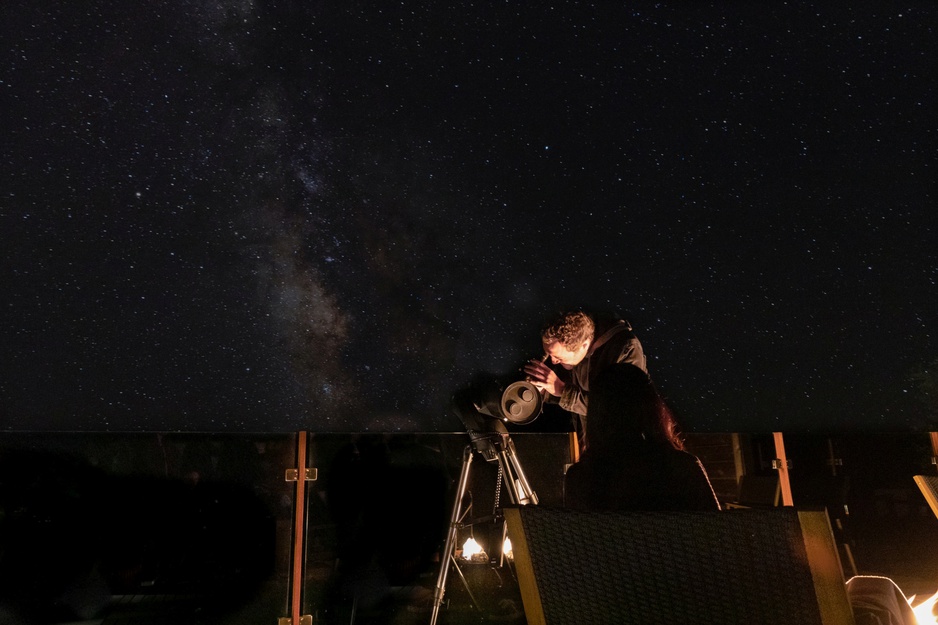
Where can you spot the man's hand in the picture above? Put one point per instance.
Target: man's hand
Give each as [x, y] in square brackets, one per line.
[543, 377]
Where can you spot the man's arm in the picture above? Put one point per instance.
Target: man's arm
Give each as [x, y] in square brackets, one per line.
[573, 399]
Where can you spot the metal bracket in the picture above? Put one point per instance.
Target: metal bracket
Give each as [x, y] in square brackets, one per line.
[292, 475]
[306, 619]
[778, 463]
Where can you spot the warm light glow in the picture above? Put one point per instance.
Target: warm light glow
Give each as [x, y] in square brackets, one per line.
[923, 611]
[506, 549]
[471, 550]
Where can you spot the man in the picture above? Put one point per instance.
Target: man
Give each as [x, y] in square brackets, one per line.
[584, 348]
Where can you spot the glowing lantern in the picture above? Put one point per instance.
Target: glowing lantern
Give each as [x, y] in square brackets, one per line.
[471, 550]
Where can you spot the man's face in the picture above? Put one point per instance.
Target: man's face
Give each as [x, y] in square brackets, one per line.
[560, 355]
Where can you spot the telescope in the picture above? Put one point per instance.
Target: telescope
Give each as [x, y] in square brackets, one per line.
[484, 408]
[488, 403]
[518, 403]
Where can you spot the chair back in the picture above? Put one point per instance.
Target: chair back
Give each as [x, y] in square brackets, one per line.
[774, 566]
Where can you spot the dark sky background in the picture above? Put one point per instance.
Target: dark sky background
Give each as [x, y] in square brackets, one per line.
[256, 215]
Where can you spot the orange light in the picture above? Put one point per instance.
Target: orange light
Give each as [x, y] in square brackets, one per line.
[924, 614]
[471, 550]
[506, 549]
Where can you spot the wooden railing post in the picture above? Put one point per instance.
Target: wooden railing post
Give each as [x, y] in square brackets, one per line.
[301, 474]
[781, 462]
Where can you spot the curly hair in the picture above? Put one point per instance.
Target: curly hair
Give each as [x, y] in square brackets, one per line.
[569, 329]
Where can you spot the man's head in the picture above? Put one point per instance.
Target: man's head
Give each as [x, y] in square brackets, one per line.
[567, 338]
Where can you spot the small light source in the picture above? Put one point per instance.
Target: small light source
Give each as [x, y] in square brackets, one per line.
[472, 551]
[506, 549]
[924, 611]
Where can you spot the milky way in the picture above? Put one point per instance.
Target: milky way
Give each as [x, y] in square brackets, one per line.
[255, 216]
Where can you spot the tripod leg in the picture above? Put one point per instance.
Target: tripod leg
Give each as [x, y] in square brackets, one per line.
[501, 557]
[516, 480]
[449, 549]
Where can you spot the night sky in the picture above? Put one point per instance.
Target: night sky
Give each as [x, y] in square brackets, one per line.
[251, 216]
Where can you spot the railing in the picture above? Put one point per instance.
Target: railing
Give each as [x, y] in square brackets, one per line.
[321, 528]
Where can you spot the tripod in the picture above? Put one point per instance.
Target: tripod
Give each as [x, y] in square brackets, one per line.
[493, 447]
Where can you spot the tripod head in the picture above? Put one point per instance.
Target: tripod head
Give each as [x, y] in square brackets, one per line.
[487, 433]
